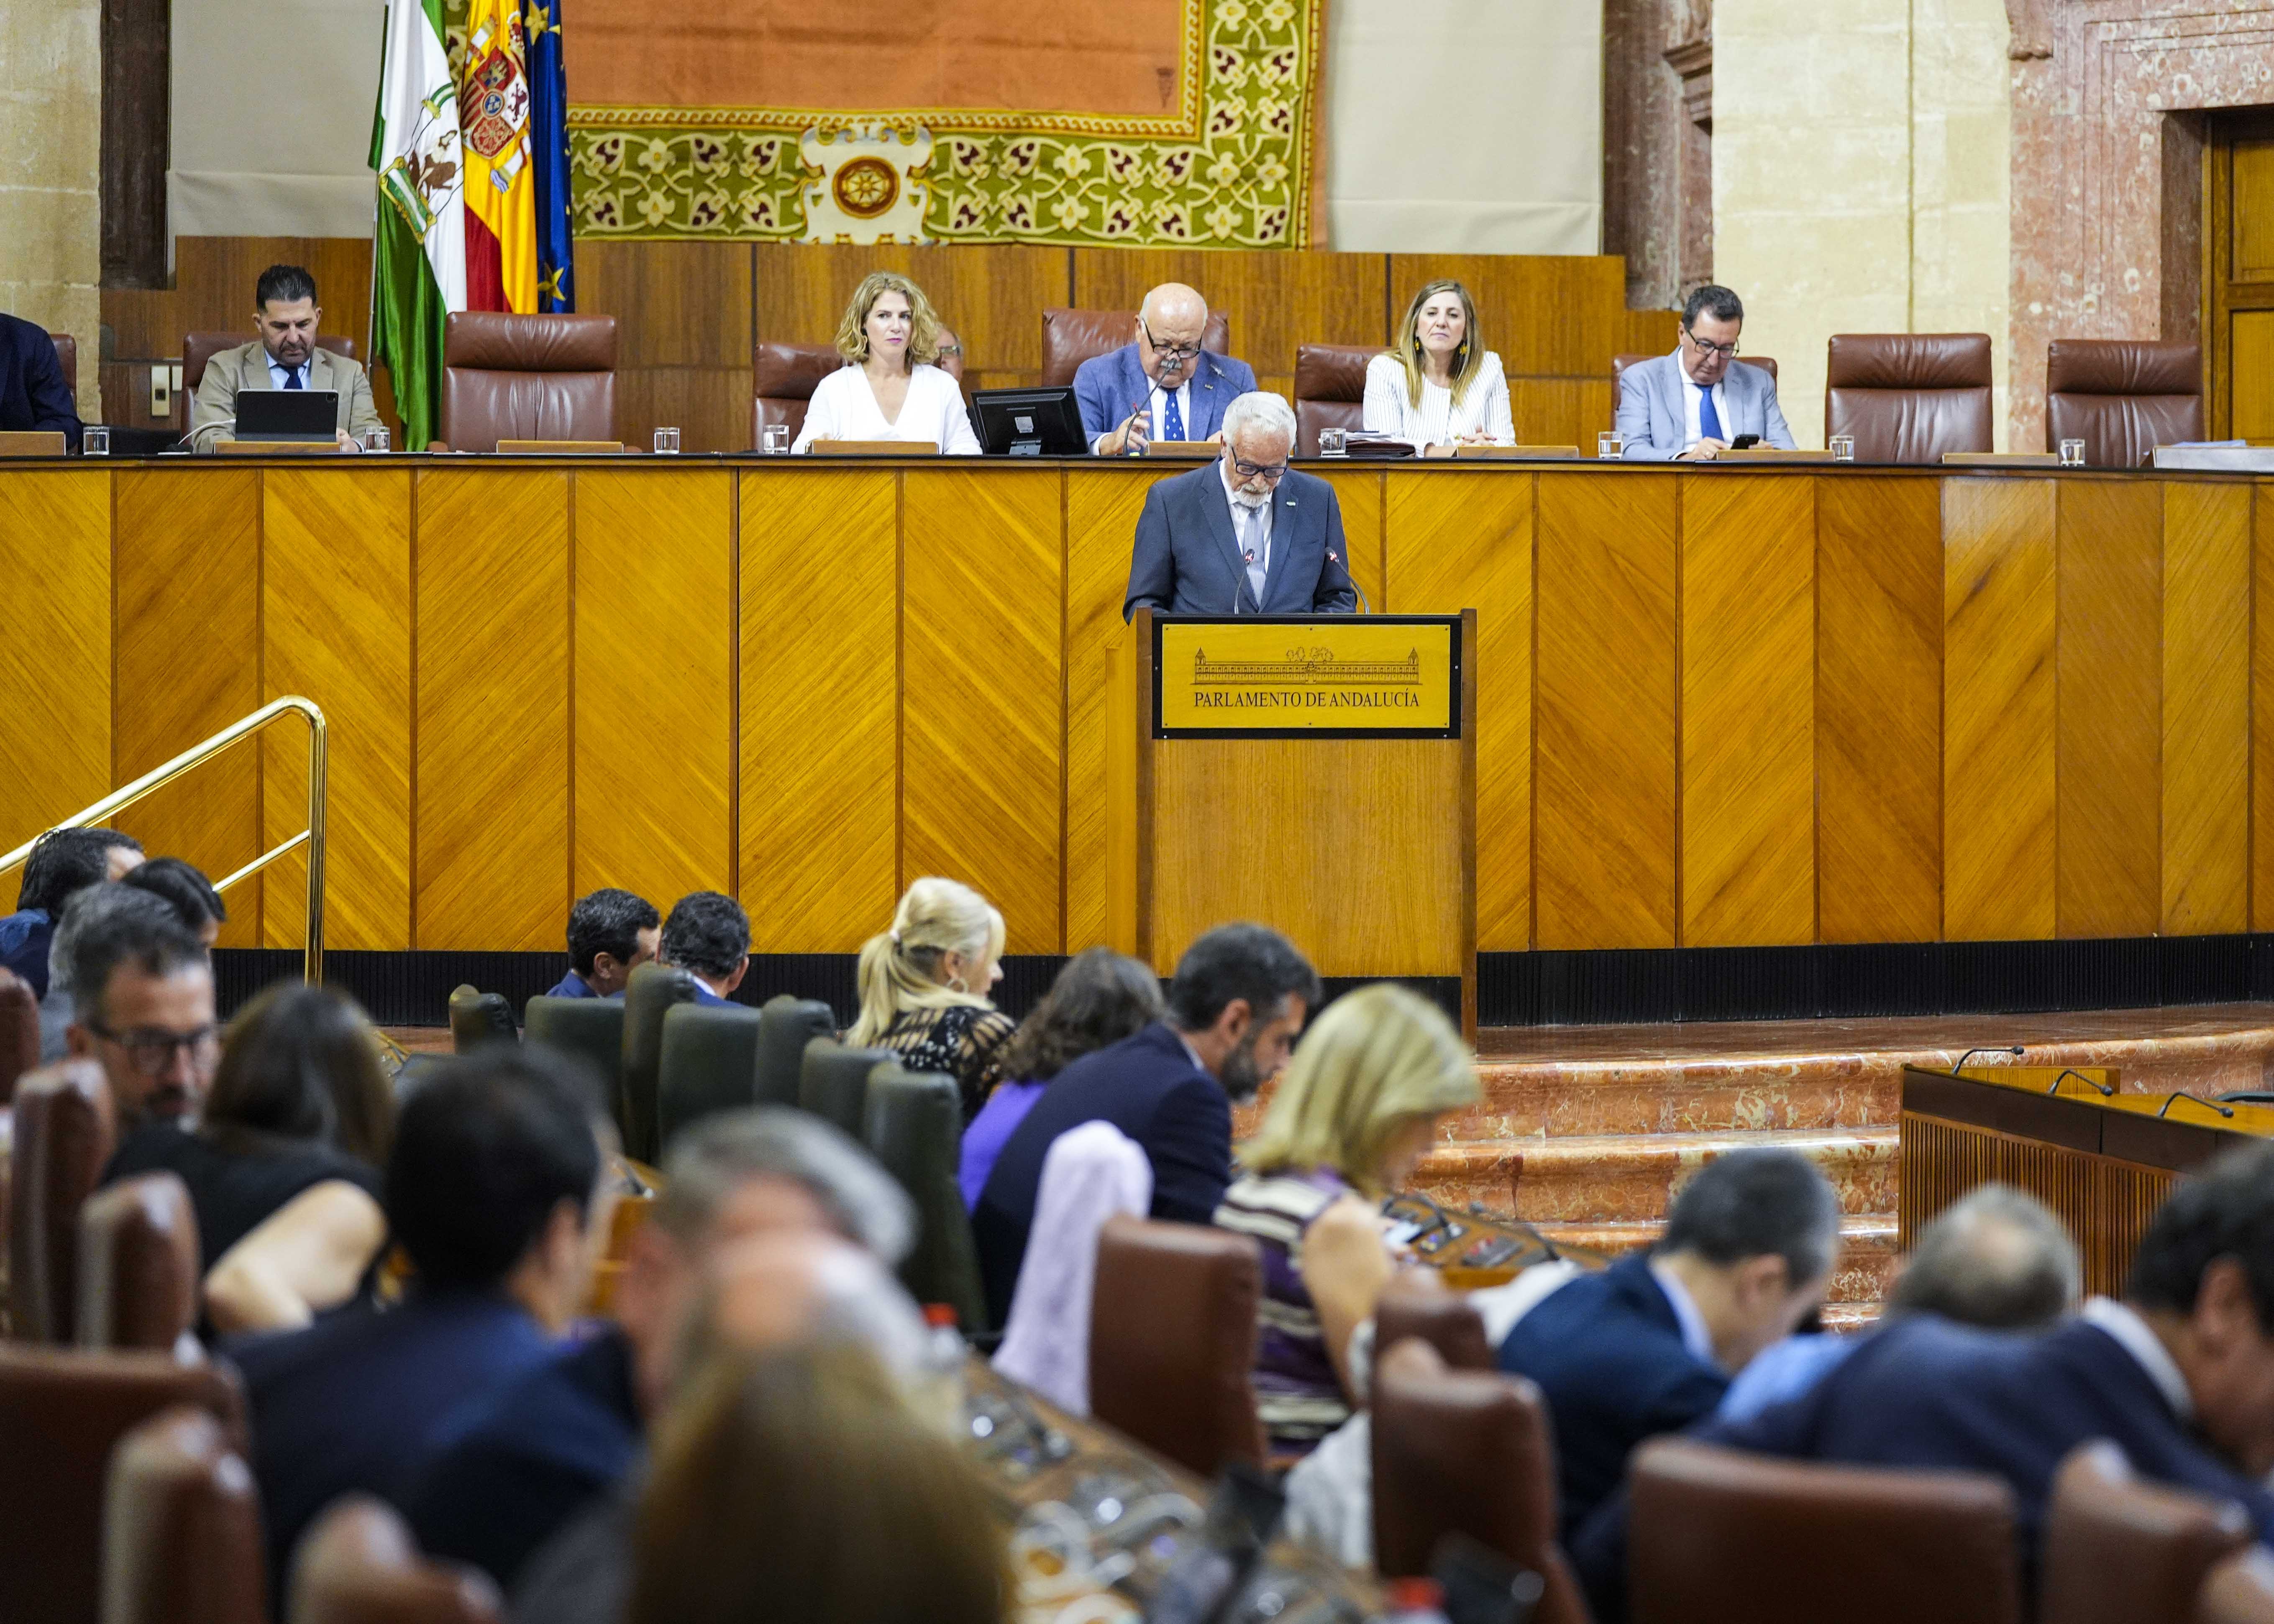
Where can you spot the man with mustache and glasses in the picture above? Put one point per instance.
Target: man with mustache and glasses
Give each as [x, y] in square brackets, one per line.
[142, 994]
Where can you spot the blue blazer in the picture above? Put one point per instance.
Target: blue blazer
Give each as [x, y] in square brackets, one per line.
[25, 938]
[35, 394]
[1653, 418]
[572, 986]
[1608, 1355]
[1148, 1087]
[1109, 387]
[1186, 560]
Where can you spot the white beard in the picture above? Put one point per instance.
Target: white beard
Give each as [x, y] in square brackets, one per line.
[1253, 503]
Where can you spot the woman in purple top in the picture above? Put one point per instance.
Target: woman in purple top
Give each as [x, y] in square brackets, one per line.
[1099, 998]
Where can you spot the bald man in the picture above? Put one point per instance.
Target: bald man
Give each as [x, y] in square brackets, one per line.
[1161, 385]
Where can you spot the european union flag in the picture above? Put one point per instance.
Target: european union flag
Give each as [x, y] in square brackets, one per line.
[549, 153]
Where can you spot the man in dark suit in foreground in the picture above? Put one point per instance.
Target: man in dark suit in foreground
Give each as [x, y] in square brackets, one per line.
[36, 397]
[1245, 534]
[1239, 998]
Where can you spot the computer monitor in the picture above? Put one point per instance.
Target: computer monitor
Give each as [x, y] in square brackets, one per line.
[298, 416]
[1029, 422]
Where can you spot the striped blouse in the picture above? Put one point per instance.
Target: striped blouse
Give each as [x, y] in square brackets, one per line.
[1298, 1394]
[1484, 409]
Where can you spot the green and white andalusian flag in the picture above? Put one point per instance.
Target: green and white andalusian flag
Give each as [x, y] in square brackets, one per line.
[418, 250]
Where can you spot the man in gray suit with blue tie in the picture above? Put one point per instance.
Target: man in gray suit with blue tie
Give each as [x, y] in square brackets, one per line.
[1244, 534]
[1162, 385]
[1691, 406]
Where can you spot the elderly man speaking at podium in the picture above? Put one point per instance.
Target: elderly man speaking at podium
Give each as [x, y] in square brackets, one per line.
[1244, 534]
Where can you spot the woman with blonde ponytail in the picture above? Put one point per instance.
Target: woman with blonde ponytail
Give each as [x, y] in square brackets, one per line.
[924, 986]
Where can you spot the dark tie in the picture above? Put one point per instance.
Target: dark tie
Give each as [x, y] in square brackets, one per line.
[292, 378]
[1709, 421]
[1172, 416]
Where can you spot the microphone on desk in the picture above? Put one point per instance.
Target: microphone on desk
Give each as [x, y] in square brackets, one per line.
[2178, 1095]
[2016, 1050]
[2081, 1078]
[1337, 560]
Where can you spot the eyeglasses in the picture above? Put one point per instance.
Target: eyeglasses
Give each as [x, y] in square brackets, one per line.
[1726, 351]
[150, 1051]
[1272, 471]
[1167, 352]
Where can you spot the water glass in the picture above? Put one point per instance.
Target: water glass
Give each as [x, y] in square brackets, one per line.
[1610, 445]
[667, 442]
[95, 440]
[378, 439]
[2072, 454]
[1334, 442]
[1843, 448]
[774, 440]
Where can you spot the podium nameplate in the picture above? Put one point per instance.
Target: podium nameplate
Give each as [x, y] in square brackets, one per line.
[1306, 677]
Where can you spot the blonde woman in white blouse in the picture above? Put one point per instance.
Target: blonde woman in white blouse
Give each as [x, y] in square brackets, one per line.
[1440, 388]
[888, 387]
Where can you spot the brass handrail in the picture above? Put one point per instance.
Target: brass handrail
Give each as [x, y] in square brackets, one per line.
[311, 953]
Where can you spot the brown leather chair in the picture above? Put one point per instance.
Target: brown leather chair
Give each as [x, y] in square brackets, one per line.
[1908, 397]
[66, 1129]
[199, 347]
[1444, 1320]
[2240, 1590]
[1329, 390]
[1717, 1536]
[67, 358]
[1464, 1452]
[19, 1031]
[1173, 1334]
[2120, 1551]
[181, 1527]
[137, 1264]
[1072, 337]
[508, 377]
[357, 1565]
[784, 377]
[2122, 397]
[62, 1410]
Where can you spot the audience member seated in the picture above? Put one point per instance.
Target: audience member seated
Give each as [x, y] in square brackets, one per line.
[1356, 1112]
[1161, 385]
[498, 1189]
[185, 888]
[708, 936]
[611, 934]
[530, 1455]
[63, 863]
[1997, 1258]
[2180, 1376]
[36, 397]
[1245, 534]
[889, 388]
[1648, 1346]
[284, 354]
[147, 1013]
[1099, 998]
[1440, 388]
[283, 1171]
[924, 986]
[1239, 999]
[1692, 405]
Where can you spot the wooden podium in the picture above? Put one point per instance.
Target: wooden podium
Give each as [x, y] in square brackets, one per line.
[1314, 773]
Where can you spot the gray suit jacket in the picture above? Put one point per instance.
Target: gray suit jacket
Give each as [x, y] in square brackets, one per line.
[1187, 555]
[213, 415]
[1653, 418]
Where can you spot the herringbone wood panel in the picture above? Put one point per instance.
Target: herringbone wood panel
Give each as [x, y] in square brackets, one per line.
[2261, 709]
[1748, 710]
[1605, 840]
[1879, 709]
[820, 707]
[1101, 523]
[2111, 682]
[335, 618]
[982, 718]
[654, 704]
[55, 659]
[1358, 492]
[1465, 543]
[493, 686]
[2207, 569]
[188, 562]
[1998, 785]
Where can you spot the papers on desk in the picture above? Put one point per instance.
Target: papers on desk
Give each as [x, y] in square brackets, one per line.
[1373, 443]
[2216, 456]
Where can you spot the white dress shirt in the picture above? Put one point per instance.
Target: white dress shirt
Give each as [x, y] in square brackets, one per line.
[845, 408]
[1156, 406]
[1251, 527]
[2131, 1333]
[279, 376]
[1436, 421]
[1690, 392]
[1697, 1340]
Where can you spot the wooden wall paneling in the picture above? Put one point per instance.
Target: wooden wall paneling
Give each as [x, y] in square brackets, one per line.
[492, 825]
[652, 711]
[188, 664]
[1650, 332]
[2261, 708]
[1274, 301]
[683, 325]
[2206, 720]
[1878, 708]
[1999, 775]
[54, 574]
[1604, 842]
[820, 706]
[1559, 411]
[1463, 542]
[1358, 493]
[214, 280]
[982, 718]
[1548, 315]
[2109, 672]
[990, 296]
[1748, 710]
[336, 627]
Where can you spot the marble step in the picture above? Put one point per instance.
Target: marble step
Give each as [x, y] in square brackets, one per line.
[1859, 1280]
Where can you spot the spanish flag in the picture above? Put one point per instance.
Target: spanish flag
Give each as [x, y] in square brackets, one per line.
[500, 189]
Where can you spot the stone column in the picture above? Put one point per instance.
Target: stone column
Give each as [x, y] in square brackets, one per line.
[51, 134]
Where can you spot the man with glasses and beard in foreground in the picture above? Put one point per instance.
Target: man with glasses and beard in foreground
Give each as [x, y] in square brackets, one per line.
[1238, 1000]
[142, 1005]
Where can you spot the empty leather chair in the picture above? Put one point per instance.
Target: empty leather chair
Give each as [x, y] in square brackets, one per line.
[478, 1018]
[357, 1565]
[592, 1029]
[1173, 1341]
[508, 377]
[915, 1129]
[2122, 397]
[2240, 1590]
[199, 347]
[62, 1411]
[654, 989]
[1329, 390]
[1718, 1534]
[181, 1527]
[1442, 1319]
[832, 1082]
[1908, 397]
[1072, 337]
[2118, 1550]
[708, 1064]
[784, 377]
[1464, 1452]
[137, 1264]
[19, 1031]
[64, 1131]
[67, 358]
[786, 1025]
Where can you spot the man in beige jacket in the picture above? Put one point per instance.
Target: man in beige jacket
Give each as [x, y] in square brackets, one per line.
[283, 357]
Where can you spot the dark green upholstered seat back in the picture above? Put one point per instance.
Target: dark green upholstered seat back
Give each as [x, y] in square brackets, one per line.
[479, 1018]
[708, 1051]
[915, 1127]
[592, 1029]
[834, 1082]
[786, 1025]
[654, 988]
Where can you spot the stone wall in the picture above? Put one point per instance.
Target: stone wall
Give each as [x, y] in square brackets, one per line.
[51, 170]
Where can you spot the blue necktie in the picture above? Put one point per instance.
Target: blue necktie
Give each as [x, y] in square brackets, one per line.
[1172, 416]
[1709, 421]
[292, 378]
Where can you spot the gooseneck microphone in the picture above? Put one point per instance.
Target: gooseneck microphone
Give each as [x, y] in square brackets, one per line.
[1970, 1054]
[1366, 602]
[2081, 1078]
[2178, 1095]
